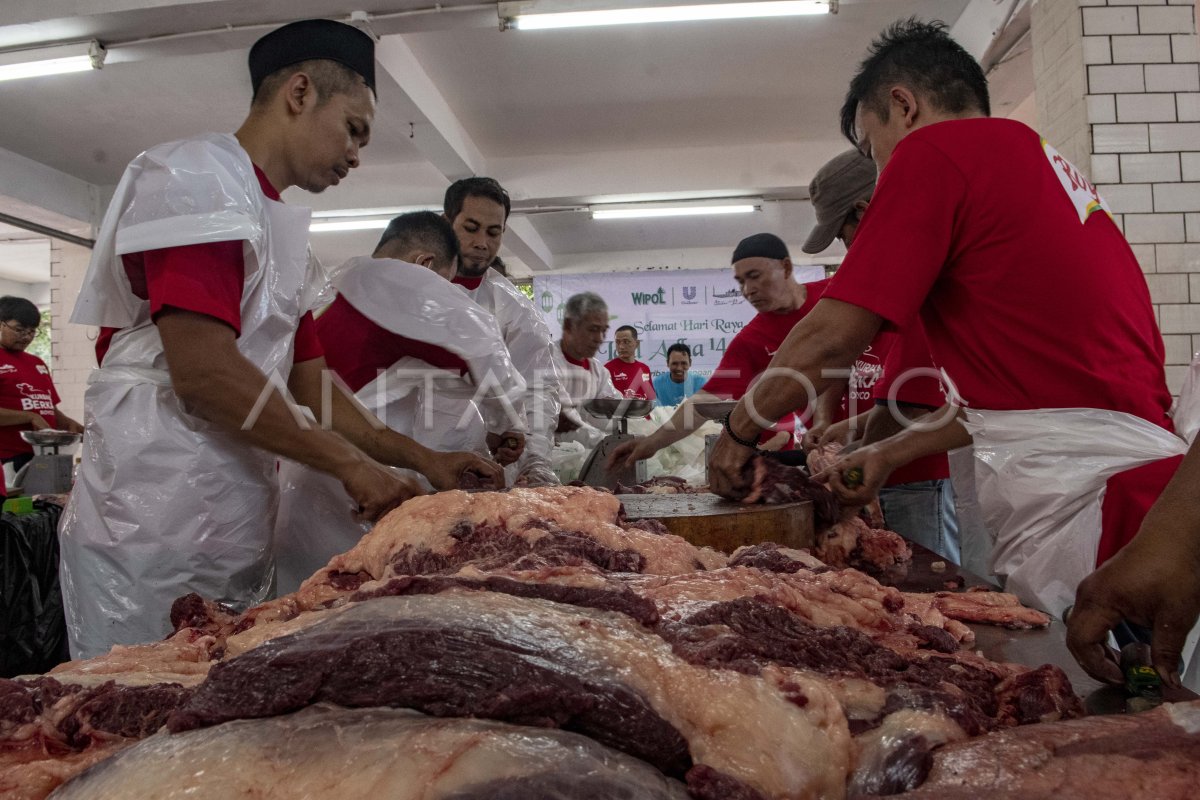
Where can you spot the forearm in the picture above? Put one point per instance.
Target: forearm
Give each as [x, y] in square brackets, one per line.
[1176, 509]
[12, 416]
[924, 439]
[351, 419]
[829, 338]
[684, 422]
[237, 397]
[63, 422]
[828, 404]
[882, 422]
[214, 381]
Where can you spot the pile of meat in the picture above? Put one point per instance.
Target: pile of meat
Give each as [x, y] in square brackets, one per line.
[534, 644]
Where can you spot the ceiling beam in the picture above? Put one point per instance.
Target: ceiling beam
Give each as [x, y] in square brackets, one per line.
[23, 12]
[527, 244]
[446, 144]
[981, 22]
[30, 184]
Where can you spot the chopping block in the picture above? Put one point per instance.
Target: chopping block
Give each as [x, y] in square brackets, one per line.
[707, 520]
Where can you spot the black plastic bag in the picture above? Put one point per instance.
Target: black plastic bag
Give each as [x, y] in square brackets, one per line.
[33, 632]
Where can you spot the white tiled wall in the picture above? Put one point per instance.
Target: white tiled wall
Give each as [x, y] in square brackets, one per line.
[72, 346]
[1140, 126]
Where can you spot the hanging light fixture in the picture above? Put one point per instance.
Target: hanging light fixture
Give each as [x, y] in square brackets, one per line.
[55, 60]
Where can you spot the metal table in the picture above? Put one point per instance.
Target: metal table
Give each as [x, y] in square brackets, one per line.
[1030, 647]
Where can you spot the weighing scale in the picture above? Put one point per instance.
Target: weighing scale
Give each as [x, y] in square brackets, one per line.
[50, 472]
[593, 472]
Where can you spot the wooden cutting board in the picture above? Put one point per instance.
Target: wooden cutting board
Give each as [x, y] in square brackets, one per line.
[708, 520]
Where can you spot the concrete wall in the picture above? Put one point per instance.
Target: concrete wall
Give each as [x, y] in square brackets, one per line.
[72, 346]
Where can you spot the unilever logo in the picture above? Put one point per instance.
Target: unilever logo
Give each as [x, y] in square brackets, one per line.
[689, 295]
[547, 301]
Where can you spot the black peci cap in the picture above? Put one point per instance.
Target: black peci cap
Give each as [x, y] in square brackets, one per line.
[311, 39]
[760, 245]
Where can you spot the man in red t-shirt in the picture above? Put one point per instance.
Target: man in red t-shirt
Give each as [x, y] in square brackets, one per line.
[917, 499]
[204, 277]
[28, 400]
[1033, 303]
[762, 268]
[630, 376]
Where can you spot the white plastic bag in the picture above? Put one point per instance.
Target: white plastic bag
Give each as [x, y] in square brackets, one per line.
[1187, 409]
[1040, 477]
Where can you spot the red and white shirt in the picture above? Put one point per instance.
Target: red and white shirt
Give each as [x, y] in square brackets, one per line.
[1030, 296]
[751, 350]
[203, 278]
[631, 380]
[911, 371]
[25, 385]
[357, 349]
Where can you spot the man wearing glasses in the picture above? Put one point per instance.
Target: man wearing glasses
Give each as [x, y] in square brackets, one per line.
[28, 400]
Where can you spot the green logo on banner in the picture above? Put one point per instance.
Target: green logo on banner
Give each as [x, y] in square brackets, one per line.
[547, 300]
[650, 298]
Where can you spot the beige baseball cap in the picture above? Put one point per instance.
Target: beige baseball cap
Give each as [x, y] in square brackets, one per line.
[837, 186]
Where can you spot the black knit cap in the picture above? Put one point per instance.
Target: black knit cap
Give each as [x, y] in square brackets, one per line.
[311, 39]
[760, 245]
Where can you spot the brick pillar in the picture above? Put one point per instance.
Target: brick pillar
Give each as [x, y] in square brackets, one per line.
[1118, 93]
[73, 354]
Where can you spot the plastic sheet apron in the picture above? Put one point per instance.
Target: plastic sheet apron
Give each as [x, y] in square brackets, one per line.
[316, 517]
[166, 503]
[530, 346]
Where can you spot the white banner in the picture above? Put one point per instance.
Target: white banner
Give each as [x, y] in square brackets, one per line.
[703, 308]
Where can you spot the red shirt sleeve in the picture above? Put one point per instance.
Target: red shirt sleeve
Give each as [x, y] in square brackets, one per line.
[732, 377]
[356, 348]
[904, 241]
[202, 278]
[308, 346]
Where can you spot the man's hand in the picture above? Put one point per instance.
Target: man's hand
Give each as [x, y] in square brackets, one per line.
[814, 437]
[856, 477]
[627, 454]
[507, 447]
[1151, 582]
[73, 427]
[445, 470]
[565, 424]
[376, 489]
[536, 475]
[727, 468]
[38, 422]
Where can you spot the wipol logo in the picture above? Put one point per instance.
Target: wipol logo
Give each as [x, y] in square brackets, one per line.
[547, 301]
[658, 298]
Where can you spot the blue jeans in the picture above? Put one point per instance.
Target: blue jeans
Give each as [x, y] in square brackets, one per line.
[923, 512]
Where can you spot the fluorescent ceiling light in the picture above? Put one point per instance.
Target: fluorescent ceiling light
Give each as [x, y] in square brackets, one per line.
[56, 60]
[629, 16]
[670, 211]
[391, 211]
[352, 219]
[349, 225]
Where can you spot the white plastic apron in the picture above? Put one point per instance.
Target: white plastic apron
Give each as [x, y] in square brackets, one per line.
[530, 346]
[1187, 409]
[1040, 477]
[166, 503]
[436, 408]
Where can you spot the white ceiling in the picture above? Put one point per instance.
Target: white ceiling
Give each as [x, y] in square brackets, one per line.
[562, 118]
